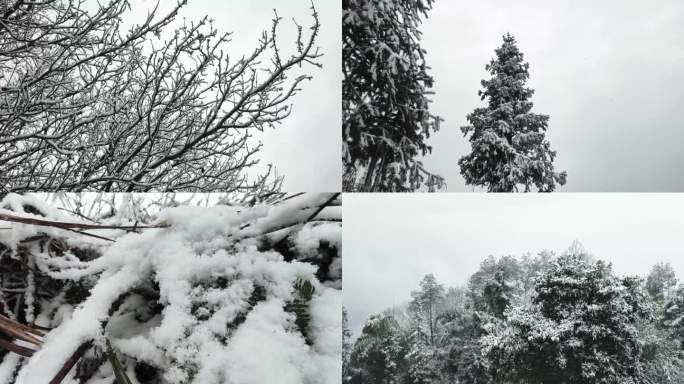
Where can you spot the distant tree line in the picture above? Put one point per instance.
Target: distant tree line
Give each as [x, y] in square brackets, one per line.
[565, 319]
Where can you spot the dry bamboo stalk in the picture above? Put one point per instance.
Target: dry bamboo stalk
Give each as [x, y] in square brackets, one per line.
[66, 225]
[19, 331]
[19, 350]
[24, 327]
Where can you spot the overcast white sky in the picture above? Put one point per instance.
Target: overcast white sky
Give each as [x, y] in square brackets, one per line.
[392, 240]
[306, 147]
[609, 73]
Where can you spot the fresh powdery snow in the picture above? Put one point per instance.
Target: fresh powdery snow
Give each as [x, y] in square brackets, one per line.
[222, 294]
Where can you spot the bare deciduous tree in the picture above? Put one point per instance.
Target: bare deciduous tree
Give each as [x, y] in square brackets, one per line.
[85, 106]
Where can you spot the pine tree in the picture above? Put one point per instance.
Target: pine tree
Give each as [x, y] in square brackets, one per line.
[425, 301]
[385, 116]
[509, 148]
[533, 266]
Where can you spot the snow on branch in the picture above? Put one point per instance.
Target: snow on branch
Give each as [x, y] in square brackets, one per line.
[386, 119]
[201, 294]
[87, 106]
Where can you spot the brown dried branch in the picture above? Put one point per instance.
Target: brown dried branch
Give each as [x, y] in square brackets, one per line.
[71, 361]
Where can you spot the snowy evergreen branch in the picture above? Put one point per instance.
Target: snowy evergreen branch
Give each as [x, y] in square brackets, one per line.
[197, 300]
[385, 116]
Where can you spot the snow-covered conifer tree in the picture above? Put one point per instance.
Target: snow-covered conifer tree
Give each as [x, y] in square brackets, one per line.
[379, 352]
[509, 147]
[494, 286]
[663, 339]
[425, 301]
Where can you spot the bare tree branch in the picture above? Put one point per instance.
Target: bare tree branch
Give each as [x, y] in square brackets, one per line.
[84, 106]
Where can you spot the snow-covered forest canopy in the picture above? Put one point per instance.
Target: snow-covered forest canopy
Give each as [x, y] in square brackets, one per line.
[170, 288]
[563, 318]
[128, 96]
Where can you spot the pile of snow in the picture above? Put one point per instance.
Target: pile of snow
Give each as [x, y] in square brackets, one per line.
[224, 294]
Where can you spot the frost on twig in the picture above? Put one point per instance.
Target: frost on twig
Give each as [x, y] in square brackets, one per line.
[85, 105]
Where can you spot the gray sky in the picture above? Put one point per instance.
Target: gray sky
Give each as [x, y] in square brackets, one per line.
[609, 73]
[392, 240]
[306, 147]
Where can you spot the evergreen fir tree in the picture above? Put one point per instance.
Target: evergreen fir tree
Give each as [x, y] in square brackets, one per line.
[509, 148]
[385, 116]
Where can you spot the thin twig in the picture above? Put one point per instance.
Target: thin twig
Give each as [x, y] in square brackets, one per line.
[66, 225]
